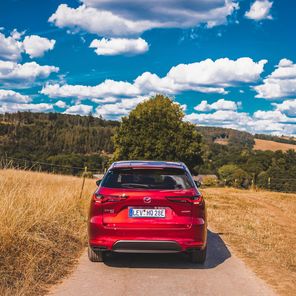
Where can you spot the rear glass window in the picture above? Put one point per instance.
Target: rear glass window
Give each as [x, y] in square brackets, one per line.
[147, 178]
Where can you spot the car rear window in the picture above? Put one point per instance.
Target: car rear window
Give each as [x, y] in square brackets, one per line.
[147, 178]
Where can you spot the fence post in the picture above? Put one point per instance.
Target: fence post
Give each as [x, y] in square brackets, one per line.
[253, 182]
[83, 181]
[268, 183]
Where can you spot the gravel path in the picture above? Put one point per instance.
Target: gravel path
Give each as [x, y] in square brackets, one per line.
[164, 274]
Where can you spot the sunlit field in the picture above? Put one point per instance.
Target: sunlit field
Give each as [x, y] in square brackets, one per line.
[42, 229]
[260, 227]
[271, 145]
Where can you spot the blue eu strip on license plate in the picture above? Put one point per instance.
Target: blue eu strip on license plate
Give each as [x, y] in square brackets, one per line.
[146, 213]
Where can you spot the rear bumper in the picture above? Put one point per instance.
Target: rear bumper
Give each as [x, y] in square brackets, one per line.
[148, 240]
[142, 246]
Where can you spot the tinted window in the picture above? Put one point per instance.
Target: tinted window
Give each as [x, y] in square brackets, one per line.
[147, 178]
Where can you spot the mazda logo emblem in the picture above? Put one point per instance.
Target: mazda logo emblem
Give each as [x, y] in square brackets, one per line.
[147, 199]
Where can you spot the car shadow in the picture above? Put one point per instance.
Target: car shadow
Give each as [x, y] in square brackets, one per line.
[217, 254]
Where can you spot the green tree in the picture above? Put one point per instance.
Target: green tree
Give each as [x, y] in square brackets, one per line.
[155, 130]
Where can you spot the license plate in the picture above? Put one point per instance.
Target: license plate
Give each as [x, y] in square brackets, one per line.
[146, 213]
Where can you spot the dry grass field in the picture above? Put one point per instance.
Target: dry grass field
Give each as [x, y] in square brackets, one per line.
[42, 229]
[261, 228]
[271, 145]
[221, 141]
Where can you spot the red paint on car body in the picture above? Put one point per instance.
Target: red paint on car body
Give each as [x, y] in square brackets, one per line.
[147, 187]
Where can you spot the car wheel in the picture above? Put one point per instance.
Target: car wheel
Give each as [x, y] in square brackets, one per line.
[199, 256]
[95, 256]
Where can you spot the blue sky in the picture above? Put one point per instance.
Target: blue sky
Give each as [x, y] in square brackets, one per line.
[228, 63]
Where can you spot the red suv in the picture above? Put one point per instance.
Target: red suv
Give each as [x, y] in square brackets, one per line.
[147, 207]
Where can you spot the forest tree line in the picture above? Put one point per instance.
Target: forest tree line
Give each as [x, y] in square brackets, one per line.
[68, 143]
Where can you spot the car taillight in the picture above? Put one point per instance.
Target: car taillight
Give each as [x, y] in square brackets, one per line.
[196, 200]
[97, 198]
[100, 198]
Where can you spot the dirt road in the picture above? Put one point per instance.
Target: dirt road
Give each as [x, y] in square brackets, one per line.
[169, 274]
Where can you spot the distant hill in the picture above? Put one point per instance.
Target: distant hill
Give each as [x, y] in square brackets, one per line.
[56, 138]
[226, 136]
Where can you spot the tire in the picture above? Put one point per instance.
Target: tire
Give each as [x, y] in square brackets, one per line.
[95, 256]
[199, 256]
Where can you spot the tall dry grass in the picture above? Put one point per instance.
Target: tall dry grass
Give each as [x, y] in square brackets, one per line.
[260, 226]
[42, 229]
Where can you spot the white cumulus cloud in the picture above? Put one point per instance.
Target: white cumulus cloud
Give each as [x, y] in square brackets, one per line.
[15, 34]
[276, 115]
[207, 76]
[288, 107]
[132, 17]
[61, 104]
[221, 104]
[10, 96]
[270, 122]
[12, 108]
[222, 72]
[108, 88]
[224, 118]
[280, 83]
[280, 121]
[103, 23]
[27, 73]
[10, 48]
[260, 10]
[35, 46]
[118, 46]
[79, 110]
[118, 109]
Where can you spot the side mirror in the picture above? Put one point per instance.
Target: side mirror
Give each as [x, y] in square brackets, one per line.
[98, 182]
[197, 183]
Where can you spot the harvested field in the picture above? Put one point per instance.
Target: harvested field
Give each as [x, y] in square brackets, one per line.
[271, 145]
[260, 227]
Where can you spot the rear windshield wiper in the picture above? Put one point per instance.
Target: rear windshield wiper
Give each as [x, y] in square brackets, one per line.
[134, 185]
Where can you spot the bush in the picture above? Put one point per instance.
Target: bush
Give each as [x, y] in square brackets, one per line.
[232, 175]
[210, 181]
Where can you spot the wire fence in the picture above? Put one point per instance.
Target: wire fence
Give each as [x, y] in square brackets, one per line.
[25, 164]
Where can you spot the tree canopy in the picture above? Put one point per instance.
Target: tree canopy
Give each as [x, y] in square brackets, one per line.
[155, 130]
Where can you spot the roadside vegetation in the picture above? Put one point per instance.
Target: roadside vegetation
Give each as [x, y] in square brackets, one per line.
[42, 229]
[260, 227]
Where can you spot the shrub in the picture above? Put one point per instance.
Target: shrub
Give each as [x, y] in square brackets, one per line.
[232, 175]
